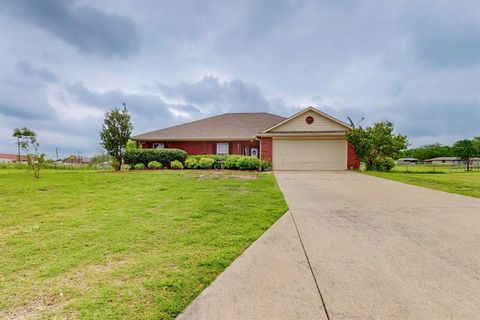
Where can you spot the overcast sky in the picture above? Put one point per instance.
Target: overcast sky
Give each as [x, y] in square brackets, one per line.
[63, 63]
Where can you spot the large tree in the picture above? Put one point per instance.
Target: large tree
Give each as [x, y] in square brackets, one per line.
[377, 144]
[465, 149]
[116, 130]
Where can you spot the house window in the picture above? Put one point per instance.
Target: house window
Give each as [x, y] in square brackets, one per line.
[222, 148]
[158, 145]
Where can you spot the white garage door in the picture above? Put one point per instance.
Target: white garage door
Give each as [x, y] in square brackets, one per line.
[309, 154]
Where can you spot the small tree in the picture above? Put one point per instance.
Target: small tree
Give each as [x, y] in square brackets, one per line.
[374, 145]
[27, 141]
[465, 149]
[116, 130]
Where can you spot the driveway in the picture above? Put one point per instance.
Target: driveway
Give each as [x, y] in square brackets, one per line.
[355, 247]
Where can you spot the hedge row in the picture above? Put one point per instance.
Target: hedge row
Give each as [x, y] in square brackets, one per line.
[232, 162]
[145, 156]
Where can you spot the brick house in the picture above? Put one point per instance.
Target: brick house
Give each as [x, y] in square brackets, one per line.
[308, 140]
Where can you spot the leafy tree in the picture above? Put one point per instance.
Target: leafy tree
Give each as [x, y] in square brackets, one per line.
[428, 151]
[476, 142]
[99, 158]
[465, 149]
[27, 141]
[116, 130]
[374, 145]
[24, 136]
[132, 145]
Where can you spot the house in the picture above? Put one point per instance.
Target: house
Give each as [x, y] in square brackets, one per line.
[308, 140]
[445, 160]
[407, 161]
[475, 161]
[75, 159]
[11, 158]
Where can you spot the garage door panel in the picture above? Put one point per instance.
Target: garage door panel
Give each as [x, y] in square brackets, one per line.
[309, 154]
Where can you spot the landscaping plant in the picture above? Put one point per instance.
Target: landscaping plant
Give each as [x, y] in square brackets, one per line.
[164, 156]
[374, 145]
[206, 163]
[248, 163]
[191, 163]
[115, 134]
[154, 165]
[26, 141]
[139, 166]
[175, 164]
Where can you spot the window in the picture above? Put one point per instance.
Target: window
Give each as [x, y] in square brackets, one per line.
[158, 145]
[222, 148]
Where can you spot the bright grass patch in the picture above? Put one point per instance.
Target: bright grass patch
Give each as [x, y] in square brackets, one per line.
[130, 245]
[465, 183]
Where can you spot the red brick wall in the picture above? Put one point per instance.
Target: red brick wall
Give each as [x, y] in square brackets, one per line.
[353, 162]
[266, 149]
[205, 147]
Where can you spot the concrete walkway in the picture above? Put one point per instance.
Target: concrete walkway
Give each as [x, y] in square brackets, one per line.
[376, 249]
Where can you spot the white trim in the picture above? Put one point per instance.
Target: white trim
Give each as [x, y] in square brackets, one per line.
[158, 145]
[224, 145]
[306, 110]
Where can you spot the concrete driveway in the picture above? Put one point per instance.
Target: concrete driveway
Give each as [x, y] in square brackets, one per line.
[355, 247]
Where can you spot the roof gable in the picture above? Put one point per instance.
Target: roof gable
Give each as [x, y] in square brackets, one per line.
[322, 122]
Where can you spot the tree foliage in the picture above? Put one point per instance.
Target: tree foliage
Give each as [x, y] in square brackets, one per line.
[116, 130]
[465, 149]
[428, 151]
[27, 141]
[375, 144]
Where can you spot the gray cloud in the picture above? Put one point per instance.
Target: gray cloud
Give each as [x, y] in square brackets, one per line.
[89, 30]
[26, 68]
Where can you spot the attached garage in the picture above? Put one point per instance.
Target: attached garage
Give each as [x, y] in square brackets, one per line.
[305, 154]
[309, 140]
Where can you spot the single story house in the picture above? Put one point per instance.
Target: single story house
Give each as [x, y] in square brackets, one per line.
[407, 161]
[475, 161]
[308, 140]
[445, 160]
[11, 158]
[76, 159]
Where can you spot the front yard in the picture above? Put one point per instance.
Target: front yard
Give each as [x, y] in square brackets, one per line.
[131, 245]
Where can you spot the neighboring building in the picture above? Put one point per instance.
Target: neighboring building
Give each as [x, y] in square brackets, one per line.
[445, 160]
[75, 159]
[11, 158]
[308, 140]
[475, 161]
[407, 161]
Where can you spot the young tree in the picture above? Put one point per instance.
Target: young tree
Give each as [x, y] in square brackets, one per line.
[116, 130]
[23, 135]
[376, 145]
[465, 149]
[27, 141]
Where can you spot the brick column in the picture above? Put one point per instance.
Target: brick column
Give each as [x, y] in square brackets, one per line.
[353, 162]
[266, 149]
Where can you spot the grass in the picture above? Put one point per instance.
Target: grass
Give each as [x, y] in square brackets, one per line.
[133, 245]
[444, 178]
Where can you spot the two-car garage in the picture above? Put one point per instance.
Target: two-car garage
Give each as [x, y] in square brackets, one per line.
[303, 154]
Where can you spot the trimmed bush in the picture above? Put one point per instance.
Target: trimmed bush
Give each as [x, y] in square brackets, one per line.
[206, 163]
[248, 163]
[191, 163]
[164, 156]
[265, 166]
[154, 165]
[216, 158]
[139, 166]
[175, 164]
[231, 162]
[385, 164]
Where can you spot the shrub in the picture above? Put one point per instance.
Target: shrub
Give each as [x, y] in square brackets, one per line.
[164, 156]
[139, 166]
[154, 165]
[385, 164]
[175, 164]
[216, 158]
[206, 163]
[191, 163]
[265, 166]
[231, 162]
[248, 163]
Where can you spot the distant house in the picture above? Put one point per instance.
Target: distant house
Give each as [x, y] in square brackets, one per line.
[475, 161]
[407, 161]
[445, 160]
[11, 158]
[75, 159]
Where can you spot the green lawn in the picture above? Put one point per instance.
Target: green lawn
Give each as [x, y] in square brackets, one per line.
[445, 179]
[131, 245]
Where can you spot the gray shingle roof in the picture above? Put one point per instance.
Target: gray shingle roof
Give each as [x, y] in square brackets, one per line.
[228, 126]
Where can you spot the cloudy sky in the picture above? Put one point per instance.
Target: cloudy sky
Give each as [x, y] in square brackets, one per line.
[64, 62]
